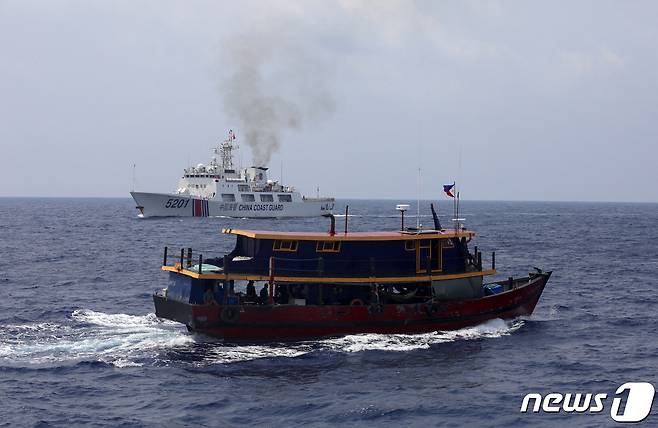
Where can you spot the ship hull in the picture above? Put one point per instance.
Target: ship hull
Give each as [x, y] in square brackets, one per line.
[265, 323]
[171, 205]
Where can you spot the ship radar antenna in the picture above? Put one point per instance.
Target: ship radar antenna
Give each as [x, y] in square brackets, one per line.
[225, 150]
[402, 208]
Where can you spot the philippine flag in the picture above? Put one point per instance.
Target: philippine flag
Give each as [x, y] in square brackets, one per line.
[448, 189]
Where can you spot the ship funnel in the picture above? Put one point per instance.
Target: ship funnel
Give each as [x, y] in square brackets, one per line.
[332, 230]
[437, 223]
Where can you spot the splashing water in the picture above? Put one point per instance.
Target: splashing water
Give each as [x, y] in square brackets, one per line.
[408, 342]
[128, 341]
[117, 339]
[363, 342]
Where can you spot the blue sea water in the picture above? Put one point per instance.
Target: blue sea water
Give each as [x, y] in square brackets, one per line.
[80, 346]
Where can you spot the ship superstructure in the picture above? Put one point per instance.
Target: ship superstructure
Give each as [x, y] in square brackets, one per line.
[221, 189]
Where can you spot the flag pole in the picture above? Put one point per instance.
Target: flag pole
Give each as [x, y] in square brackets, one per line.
[418, 203]
[458, 211]
[454, 205]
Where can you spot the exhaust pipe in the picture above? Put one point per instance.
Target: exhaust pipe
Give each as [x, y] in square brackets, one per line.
[332, 230]
[437, 223]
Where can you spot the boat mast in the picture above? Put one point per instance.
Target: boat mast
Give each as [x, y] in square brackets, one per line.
[225, 151]
[454, 205]
[418, 203]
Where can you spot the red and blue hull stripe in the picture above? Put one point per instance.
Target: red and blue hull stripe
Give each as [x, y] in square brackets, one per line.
[200, 208]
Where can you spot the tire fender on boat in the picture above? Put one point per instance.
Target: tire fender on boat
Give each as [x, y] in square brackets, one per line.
[230, 314]
[356, 302]
[432, 309]
[376, 308]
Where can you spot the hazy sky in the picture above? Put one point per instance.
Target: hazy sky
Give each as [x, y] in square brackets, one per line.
[544, 100]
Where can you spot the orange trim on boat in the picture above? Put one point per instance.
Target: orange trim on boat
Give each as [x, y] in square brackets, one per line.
[351, 236]
[342, 280]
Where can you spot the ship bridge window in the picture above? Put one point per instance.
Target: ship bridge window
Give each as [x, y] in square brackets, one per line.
[243, 187]
[285, 245]
[328, 247]
[248, 197]
[228, 197]
[266, 198]
[285, 198]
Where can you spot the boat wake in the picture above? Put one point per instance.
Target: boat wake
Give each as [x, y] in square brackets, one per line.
[130, 341]
[118, 339]
[222, 354]
[409, 342]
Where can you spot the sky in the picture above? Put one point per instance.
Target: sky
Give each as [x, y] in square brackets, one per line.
[515, 100]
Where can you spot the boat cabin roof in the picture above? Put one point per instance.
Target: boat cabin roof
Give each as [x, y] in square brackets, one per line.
[352, 236]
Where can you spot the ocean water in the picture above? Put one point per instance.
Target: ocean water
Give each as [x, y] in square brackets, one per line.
[80, 345]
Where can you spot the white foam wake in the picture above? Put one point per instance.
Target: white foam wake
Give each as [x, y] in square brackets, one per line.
[222, 354]
[119, 339]
[129, 340]
[407, 342]
[361, 342]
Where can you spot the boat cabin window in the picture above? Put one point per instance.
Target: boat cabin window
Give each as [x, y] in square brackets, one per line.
[243, 187]
[447, 243]
[228, 197]
[285, 245]
[285, 198]
[248, 197]
[328, 247]
[424, 243]
[410, 245]
[266, 198]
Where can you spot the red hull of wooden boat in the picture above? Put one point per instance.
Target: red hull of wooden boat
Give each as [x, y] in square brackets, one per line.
[254, 323]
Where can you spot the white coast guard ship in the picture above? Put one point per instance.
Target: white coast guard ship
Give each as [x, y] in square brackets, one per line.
[221, 190]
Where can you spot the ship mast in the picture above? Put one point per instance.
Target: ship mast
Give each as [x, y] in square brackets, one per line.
[225, 151]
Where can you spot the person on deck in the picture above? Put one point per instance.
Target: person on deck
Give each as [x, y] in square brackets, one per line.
[281, 295]
[263, 295]
[251, 292]
[209, 297]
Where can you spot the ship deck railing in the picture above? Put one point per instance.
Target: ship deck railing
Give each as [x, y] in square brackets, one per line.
[312, 269]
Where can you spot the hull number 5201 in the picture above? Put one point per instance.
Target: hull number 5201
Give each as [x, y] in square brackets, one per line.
[177, 203]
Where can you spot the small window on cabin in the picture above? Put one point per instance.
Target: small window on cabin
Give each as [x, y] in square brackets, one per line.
[266, 198]
[409, 245]
[285, 198]
[328, 247]
[248, 197]
[285, 245]
[447, 243]
[228, 197]
[243, 187]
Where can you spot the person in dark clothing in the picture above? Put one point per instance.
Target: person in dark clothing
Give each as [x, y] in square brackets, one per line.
[251, 292]
[209, 297]
[281, 294]
[263, 295]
